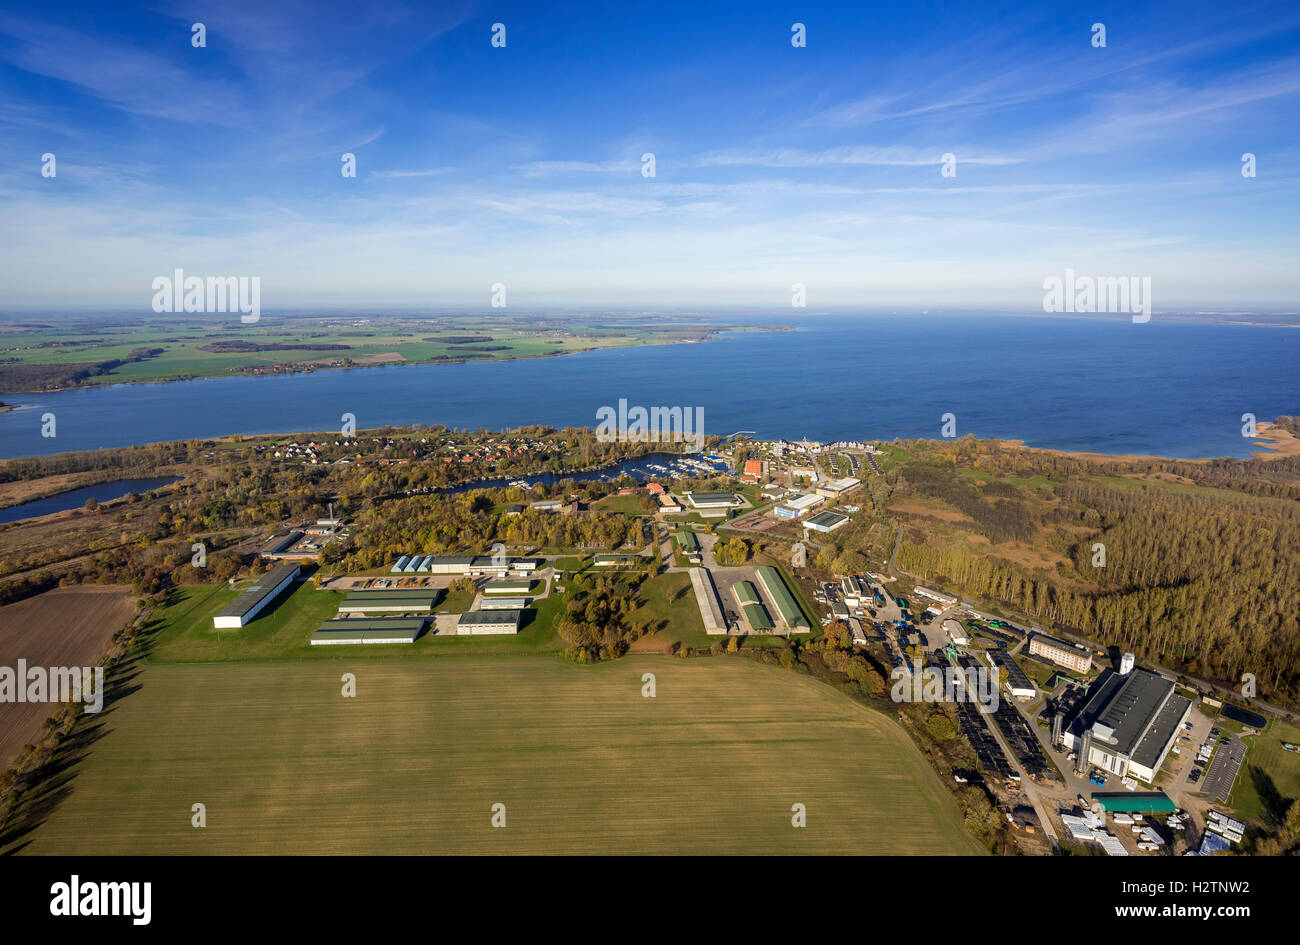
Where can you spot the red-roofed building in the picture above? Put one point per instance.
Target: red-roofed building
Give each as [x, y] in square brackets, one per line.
[654, 488]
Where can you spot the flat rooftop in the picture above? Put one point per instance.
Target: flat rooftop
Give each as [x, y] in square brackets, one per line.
[697, 498]
[1128, 705]
[1014, 675]
[374, 623]
[381, 594]
[1059, 643]
[827, 519]
[490, 617]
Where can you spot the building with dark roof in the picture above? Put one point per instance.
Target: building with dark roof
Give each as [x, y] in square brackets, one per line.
[1127, 724]
[826, 521]
[1013, 677]
[488, 621]
[393, 601]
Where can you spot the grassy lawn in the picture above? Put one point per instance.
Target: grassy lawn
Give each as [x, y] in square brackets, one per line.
[670, 611]
[185, 633]
[414, 763]
[626, 504]
[573, 565]
[536, 636]
[1269, 771]
[280, 631]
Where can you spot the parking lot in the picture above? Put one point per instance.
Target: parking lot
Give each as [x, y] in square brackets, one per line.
[1222, 773]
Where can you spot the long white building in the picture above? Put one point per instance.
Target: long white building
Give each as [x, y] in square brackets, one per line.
[944, 599]
[253, 600]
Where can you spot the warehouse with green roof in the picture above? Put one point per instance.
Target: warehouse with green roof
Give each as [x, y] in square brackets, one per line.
[395, 601]
[752, 605]
[775, 586]
[362, 631]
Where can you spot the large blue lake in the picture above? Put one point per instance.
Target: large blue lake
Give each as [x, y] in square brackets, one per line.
[1104, 385]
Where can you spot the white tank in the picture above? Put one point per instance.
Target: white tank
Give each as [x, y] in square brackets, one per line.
[1126, 664]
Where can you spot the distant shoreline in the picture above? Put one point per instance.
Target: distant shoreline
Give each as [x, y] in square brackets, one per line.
[1274, 443]
[308, 367]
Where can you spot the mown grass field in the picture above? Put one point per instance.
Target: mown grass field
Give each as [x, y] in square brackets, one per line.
[183, 630]
[1270, 767]
[414, 763]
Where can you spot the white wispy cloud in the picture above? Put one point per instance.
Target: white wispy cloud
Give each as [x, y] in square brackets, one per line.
[547, 168]
[423, 172]
[845, 155]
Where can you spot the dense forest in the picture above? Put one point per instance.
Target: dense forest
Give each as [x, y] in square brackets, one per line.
[1192, 565]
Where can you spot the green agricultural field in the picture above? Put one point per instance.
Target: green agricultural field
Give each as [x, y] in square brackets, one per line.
[415, 762]
[1270, 776]
[215, 346]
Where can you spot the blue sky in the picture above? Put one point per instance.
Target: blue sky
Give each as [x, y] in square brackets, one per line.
[774, 165]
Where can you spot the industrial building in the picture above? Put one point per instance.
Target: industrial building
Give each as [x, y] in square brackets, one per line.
[463, 564]
[826, 521]
[1127, 724]
[615, 561]
[687, 541]
[1017, 683]
[855, 590]
[956, 632]
[706, 596]
[365, 631]
[1061, 653]
[479, 622]
[834, 488]
[508, 587]
[260, 593]
[788, 611]
[504, 603]
[752, 605]
[713, 500]
[803, 503]
[397, 601]
[944, 599]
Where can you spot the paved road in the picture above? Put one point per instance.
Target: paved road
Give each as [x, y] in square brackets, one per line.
[898, 540]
